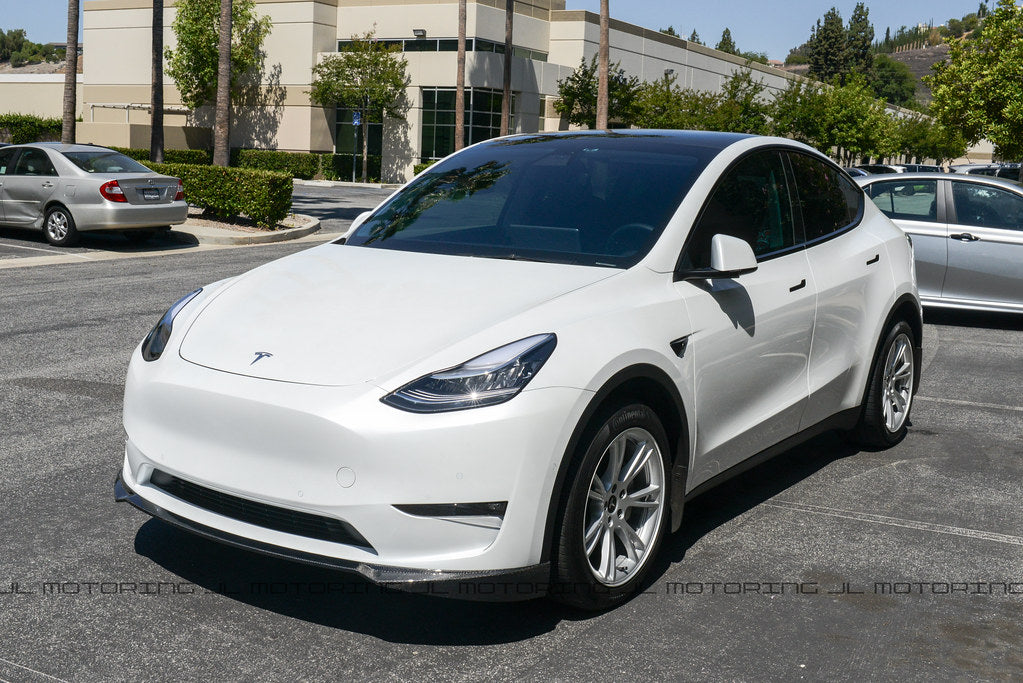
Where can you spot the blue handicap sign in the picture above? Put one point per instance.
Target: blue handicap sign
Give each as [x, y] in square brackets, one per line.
[356, 118]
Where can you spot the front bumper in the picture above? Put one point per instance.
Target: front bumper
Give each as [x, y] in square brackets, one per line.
[523, 583]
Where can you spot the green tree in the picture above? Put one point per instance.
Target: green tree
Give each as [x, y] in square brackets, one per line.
[577, 95]
[193, 64]
[726, 44]
[670, 31]
[798, 113]
[663, 104]
[828, 49]
[979, 90]
[860, 40]
[367, 76]
[742, 107]
[694, 37]
[892, 81]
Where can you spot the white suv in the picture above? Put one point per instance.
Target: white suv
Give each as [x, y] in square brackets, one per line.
[519, 367]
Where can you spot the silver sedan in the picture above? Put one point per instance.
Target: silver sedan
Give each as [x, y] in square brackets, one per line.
[967, 236]
[67, 189]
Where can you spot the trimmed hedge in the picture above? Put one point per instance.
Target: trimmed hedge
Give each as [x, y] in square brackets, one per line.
[263, 196]
[339, 167]
[419, 168]
[170, 156]
[299, 164]
[21, 128]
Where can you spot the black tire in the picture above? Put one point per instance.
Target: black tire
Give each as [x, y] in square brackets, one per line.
[875, 430]
[608, 514]
[59, 227]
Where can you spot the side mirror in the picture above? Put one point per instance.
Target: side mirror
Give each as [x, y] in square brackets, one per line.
[359, 220]
[730, 257]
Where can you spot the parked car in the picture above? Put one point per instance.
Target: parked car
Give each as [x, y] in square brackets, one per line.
[68, 189]
[518, 368]
[855, 172]
[921, 168]
[967, 235]
[1006, 171]
[882, 168]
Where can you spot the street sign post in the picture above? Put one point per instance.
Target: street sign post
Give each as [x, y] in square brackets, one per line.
[356, 122]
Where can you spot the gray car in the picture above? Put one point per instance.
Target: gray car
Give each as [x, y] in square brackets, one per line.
[967, 234]
[67, 189]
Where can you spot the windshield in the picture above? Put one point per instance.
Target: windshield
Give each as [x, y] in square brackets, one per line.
[105, 161]
[589, 199]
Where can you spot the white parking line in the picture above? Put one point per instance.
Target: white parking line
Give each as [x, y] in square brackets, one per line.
[972, 404]
[47, 251]
[54, 678]
[895, 521]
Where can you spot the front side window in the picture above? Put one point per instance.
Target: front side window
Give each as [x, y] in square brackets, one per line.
[915, 200]
[599, 200]
[750, 202]
[34, 162]
[827, 200]
[984, 206]
[103, 161]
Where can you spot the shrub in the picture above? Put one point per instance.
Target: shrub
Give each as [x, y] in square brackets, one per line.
[419, 168]
[339, 167]
[21, 128]
[170, 156]
[299, 164]
[263, 196]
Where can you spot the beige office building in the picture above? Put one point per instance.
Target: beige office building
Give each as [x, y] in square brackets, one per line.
[549, 42]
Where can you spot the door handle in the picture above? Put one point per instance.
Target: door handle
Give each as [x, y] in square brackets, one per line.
[47, 184]
[877, 257]
[802, 283]
[964, 237]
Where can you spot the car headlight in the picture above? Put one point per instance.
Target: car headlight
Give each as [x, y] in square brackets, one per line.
[156, 341]
[495, 377]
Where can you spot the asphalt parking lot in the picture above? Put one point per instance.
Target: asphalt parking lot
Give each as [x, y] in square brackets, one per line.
[825, 563]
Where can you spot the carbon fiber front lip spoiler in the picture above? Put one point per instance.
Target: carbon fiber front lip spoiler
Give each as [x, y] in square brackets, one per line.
[504, 585]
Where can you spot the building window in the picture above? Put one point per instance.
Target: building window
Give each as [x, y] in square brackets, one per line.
[451, 45]
[348, 138]
[482, 119]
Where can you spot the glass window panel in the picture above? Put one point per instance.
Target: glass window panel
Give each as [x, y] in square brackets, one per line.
[982, 206]
[828, 201]
[915, 201]
[450, 45]
[446, 99]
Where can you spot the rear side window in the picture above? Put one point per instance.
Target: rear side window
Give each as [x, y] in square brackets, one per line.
[6, 156]
[827, 200]
[34, 162]
[750, 202]
[984, 206]
[907, 200]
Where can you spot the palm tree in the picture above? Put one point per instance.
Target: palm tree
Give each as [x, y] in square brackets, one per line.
[460, 81]
[509, 12]
[602, 57]
[222, 125]
[67, 132]
[156, 99]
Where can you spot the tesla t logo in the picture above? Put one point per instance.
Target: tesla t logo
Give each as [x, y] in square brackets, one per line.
[260, 355]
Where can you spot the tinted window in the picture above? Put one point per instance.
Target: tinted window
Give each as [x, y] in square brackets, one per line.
[909, 200]
[987, 207]
[102, 161]
[750, 202]
[34, 162]
[586, 199]
[6, 156]
[827, 201]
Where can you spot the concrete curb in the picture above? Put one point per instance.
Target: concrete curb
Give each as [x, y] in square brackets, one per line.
[204, 234]
[346, 183]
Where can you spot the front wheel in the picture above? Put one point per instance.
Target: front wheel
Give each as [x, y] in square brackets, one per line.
[615, 512]
[59, 227]
[885, 417]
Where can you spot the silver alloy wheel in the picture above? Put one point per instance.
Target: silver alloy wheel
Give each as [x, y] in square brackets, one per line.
[56, 225]
[897, 387]
[624, 506]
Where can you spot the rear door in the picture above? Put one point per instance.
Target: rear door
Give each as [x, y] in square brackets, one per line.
[985, 245]
[27, 189]
[917, 206]
[7, 158]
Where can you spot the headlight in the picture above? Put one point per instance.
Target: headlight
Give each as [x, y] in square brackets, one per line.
[494, 377]
[156, 340]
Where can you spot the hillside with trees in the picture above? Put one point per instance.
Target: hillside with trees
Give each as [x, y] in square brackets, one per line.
[16, 50]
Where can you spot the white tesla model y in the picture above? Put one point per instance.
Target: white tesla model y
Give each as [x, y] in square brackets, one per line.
[513, 374]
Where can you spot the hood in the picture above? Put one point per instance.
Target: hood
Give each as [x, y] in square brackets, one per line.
[341, 315]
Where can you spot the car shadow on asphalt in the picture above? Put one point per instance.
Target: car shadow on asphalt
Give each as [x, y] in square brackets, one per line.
[339, 600]
[955, 318]
[98, 241]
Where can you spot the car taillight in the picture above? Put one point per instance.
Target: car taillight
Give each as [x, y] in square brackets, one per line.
[111, 191]
[180, 194]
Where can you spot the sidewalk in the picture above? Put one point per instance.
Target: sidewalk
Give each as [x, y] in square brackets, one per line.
[347, 183]
[191, 232]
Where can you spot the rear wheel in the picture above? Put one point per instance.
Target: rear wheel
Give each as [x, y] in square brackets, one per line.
[59, 227]
[615, 512]
[885, 417]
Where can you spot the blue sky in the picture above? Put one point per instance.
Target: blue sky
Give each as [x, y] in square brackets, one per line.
[756, 25]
